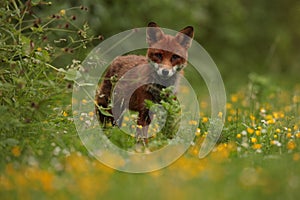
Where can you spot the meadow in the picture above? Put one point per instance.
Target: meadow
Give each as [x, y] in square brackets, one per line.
[42, 156]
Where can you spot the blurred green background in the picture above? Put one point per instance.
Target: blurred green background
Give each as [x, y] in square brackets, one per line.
[252, 42]
[241, 36]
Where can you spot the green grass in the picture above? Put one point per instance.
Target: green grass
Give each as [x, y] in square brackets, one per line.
[42, 156]
[46, 159]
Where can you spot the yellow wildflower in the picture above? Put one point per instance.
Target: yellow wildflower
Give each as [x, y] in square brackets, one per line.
[262, 110]
[220, 114]
[252, 117]
[271, 121]
[62, 12]
[278, 115]
[39, 49]
[198, 131]
[46, 179]
[282, 115]
[91, 114]
[195, 151]
[275, 136]
[257, 132]
[257, 146]
[291, 145]
[289, 135]
[273, 142]
[250, 130]
[205, 119]
[153, 130]
[234, 98]
[239, 135]
[139, 126]
[253, 140]
[298, 135]
[193, 122]
[232, 112]
[16, 151]
[228, 106]
[277, 130]
[65, 114]
[296, 157]
[269, 117]
[84, 101]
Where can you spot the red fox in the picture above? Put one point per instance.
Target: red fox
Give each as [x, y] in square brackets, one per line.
[165, 58]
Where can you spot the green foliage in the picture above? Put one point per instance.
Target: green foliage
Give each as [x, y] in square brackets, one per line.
[241, 36]
[120, 138]
[33, 89]
[172, 111]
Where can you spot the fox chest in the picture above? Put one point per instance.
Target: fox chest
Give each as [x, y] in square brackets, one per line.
[146, 92]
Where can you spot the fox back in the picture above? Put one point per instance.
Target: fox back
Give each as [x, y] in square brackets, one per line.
[166, 57]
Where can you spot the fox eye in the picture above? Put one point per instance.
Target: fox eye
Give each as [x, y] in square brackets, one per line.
[158, 55]
[175, 57]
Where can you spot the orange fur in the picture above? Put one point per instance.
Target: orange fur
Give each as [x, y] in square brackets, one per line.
[166, 56]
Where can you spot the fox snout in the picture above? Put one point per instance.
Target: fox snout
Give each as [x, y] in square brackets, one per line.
[165, 71]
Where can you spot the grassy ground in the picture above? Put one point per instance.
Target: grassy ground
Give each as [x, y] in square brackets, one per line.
[258, 156]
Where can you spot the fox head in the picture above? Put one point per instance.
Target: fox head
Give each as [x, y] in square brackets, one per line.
[166, 53]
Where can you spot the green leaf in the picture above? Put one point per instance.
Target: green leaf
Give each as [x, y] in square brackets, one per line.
[104, 111]
[70, 74]
[11, 141]
[38, 29]
[25, 42]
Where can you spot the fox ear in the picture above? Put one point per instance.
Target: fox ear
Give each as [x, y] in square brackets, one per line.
[185, 36]
[154, 33]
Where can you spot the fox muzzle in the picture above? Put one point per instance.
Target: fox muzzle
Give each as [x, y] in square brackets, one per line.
[165, 72]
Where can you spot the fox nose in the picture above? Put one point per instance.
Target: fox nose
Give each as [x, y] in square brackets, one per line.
[165, 72]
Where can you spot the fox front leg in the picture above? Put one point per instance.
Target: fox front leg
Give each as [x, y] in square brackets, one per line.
[142, 128]
[142, 134]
